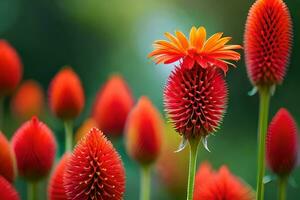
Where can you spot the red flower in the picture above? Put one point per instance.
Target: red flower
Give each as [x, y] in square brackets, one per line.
[7, 191]
[10, 68]
[7, 160]
[144, 130]
[28, 101]
[35, 147]
[282, 143]
[197, 51]
[112, 105]
[195, 100]
[268, 41]
[95, 170]
[221, 185]
[66, 95]
[56, 190]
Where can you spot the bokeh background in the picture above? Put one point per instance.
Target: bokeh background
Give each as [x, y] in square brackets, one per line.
[98, 38]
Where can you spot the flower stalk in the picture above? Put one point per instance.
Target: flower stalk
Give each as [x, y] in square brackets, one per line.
[145, 182]
[1, 112]
[32, 191]
[68, 136]
[282, 188]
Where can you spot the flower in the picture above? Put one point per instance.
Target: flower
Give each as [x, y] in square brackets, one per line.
[56, 190]
[35, 147]
[28, 100]
[268, 41]
[144, 130]
[11, 68]
[282, 143]
[95, 170]
[195, 100]
[112, 105]
[196, 51]
[66, 97]
[7, 160]
[210, 185]
[7, 191]
[84, 129]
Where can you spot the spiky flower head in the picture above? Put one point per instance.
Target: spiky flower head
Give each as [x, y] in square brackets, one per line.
[7, 191]
[144, 130]
[196, 50]
[66, 96]
[7, 159]
[28, 100]
[282, 143]
[11, 68]
[268, 41]
[95, 170]
[56, 189]
[112, 105]
[211, 185]
[35, 148]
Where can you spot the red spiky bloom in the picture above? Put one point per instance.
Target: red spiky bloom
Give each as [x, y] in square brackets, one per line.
[282, 143]
[7, 191]
[195, 100]
[28, 100]
[7, 160]
[66, 96]
[10, 68]
[35, 147]
[95, 170]
[56, 189]
[210, 185]
[144, 130]
[112, 105]
[268, 41]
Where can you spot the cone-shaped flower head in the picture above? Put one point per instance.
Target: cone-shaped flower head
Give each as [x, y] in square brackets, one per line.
[66, 96]
[112, 105]
[10, 68]
[268, 41]
[282, 143]
[144, 131]
[35, 147]
[28, 100]
[95, 170]
[210, 185]
[7, 191]
[196, 50]
[7, 160]
[56, 190]
[84, 129]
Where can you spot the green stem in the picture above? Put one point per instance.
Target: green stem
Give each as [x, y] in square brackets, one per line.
[145, 183]
[32, 191]
[1, 112]
[194, 143]
[264, 93]
[282, 188]
[68, 136]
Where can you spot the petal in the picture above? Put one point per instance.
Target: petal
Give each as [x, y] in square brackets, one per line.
[182, 39]
[209, 44]
[193, 36]
[200, 38]
[188, 62]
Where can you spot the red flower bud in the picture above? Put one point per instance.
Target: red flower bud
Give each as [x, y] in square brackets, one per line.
[268, 41]
[112, 105]
[28, 101]
[10, 68]
[7, 191]
[95, 170]
[144, 129]
[282, 143]
[195, 100]
[7, 160]
[35, 147]
[56, 190]
[66, 97]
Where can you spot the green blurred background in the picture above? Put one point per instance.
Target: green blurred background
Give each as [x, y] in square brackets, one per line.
[99, 37]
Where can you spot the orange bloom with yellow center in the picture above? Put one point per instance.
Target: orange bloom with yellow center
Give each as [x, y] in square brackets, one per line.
[196, 50]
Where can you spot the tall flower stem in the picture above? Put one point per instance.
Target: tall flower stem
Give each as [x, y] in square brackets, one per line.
[1, 112]
[32, 191]
[264, 93]
[282, 188]
[194, 143]
[145, 182]
[68, 136]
